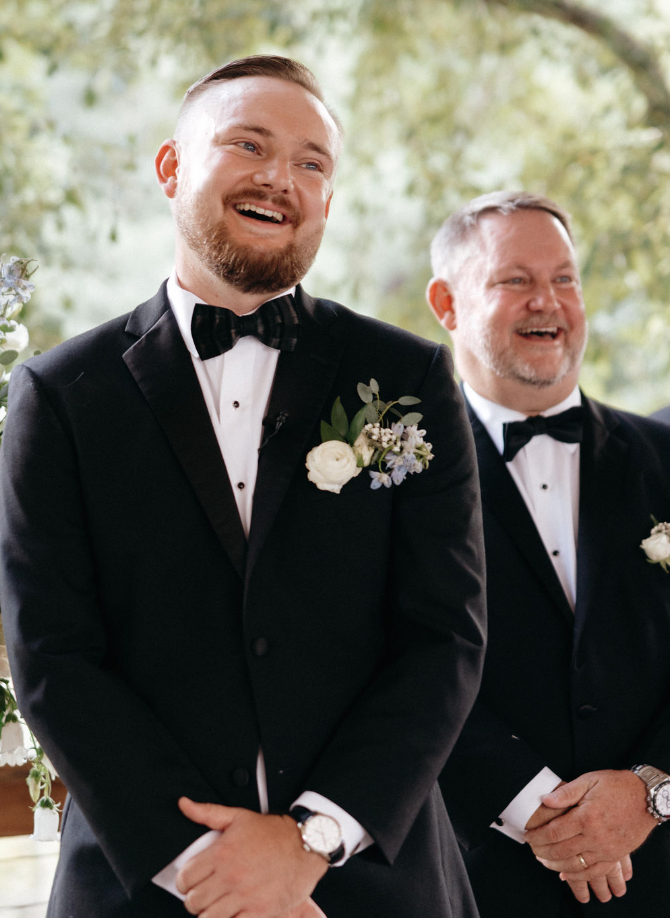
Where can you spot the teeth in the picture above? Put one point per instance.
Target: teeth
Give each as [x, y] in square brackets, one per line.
[273, 214]
[552, 330]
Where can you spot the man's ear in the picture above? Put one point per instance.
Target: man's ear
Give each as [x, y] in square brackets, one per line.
[441, 301]
[167, 167]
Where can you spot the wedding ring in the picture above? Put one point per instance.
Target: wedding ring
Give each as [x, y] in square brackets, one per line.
[582, 862]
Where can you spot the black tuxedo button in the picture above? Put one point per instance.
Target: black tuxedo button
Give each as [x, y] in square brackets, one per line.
[585, 711]
[260, 647]
[240, 777]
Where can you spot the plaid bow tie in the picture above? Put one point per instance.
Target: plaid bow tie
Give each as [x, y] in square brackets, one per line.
[215, 329]
[568, 427]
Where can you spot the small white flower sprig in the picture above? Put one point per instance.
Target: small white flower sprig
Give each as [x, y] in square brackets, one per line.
[16, 288]
[396, 448]
[14, 751]
[657, 546]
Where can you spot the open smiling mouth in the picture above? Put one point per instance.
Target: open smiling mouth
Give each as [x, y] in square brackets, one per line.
[260, 213]
[550, 332]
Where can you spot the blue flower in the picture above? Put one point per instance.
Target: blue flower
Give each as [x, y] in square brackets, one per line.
[379, 479]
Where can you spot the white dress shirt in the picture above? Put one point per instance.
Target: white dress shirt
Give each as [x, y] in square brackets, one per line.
[546, 472]
[236, 387]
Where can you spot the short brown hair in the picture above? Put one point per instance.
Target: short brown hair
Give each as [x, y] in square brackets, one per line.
[258, 65]
[457, 228]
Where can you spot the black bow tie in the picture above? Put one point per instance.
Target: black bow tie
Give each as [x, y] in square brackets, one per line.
[215, 329]
[568, 427]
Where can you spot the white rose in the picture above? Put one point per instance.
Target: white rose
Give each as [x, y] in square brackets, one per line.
[657, 547]
[16, 339]
[331, 465]
[363, 449]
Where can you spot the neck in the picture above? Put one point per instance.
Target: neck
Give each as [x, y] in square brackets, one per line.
[200, 281]
[522, 397]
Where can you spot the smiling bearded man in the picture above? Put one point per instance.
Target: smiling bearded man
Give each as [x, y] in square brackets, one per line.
[228, 726]
[576, 685]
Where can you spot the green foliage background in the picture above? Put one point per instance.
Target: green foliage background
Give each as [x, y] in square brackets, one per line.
[441, 100]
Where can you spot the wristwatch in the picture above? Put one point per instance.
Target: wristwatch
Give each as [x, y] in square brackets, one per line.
[658, 790]
[320, 834]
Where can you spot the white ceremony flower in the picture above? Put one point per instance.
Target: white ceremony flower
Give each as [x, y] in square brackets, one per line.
[363, 449]
[16, 339]
[45, 824]
[331, 465]
[657, 547]
[12, 750]
[4, 662]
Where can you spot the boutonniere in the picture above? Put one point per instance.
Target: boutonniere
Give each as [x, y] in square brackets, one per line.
[395, 447]
[657, 546]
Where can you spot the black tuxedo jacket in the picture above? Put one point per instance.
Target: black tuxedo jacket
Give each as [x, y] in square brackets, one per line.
[576, 692]
[663, 414]
[154, 649]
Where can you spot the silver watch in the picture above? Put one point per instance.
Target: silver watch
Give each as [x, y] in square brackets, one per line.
[658, 790]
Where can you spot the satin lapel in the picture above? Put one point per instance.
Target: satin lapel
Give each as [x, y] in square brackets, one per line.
[501, 496]
[603, 466]
[302, 382]
[163, 369]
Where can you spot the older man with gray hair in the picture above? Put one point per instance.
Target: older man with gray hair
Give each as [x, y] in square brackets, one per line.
[576, 686]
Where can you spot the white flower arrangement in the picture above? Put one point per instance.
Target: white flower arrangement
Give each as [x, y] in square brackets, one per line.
[397, 449]
[16, 288]
[17, 742]
[657, 545]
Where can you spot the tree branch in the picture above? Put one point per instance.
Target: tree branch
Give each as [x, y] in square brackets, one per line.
[637, 57]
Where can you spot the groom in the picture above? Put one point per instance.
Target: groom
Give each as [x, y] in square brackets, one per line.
[244, 679]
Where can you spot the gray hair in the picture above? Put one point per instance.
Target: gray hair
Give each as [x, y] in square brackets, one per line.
[458, 228]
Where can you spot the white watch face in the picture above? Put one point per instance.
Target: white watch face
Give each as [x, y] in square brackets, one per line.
[662, 799]
[322, 833]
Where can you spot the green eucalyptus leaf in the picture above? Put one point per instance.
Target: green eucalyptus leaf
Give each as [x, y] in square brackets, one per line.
[7, 357]
[374, 385]
[364, 392]
[357, 425]
[412, 418]
[338, 418]
[409, 400]
[329, 433]
[371, 415]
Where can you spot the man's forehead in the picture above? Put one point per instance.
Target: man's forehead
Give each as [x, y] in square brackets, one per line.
[249, 98]
[522, 234]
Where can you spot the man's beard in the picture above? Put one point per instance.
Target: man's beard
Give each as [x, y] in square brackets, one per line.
[248, 268]
[506, 363]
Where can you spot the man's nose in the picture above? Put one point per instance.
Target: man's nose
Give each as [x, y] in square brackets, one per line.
[274, 173]
[543, 297]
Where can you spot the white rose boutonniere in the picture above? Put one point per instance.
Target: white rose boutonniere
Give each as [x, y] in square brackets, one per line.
[397, 449]
[331, 465]
[657, 546]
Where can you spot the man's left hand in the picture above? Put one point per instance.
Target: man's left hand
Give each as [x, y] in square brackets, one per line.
[608, 821]
[258, 867]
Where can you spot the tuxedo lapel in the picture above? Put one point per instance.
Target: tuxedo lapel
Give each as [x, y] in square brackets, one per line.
[501, 496]
[603, 465]
[163, 369]
[302, 382]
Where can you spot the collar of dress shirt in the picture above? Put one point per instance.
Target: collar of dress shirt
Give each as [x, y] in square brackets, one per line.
[183, 302]
[493, 416]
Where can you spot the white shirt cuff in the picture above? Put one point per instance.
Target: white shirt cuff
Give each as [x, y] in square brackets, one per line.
[166, 877]
[517, 813]
[354, 835]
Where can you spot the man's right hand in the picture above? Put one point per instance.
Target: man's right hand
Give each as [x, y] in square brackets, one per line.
[605, 880]
[308, 909]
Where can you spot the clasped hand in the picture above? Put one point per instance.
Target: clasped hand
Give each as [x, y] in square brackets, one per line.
[599, 819]
[258, 868]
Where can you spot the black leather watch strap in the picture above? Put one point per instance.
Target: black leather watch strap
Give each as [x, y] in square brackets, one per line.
[301, 814]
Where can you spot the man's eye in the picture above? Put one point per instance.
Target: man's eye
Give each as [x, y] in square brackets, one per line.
[248, 145]
[515, 280]
[315, 167]
[564, 279]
